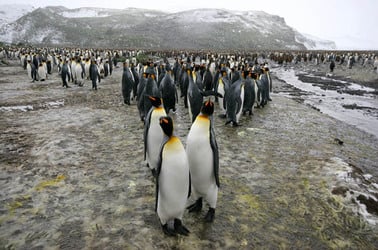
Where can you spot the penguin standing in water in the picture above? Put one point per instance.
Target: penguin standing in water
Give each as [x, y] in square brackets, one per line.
[153, 135]
[172, 181]
[203, 157]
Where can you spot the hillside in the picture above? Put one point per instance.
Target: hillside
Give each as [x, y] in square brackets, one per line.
[140, 28]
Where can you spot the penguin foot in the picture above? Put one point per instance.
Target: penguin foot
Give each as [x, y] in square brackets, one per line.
[180, 228]
[168, 231]
[269, 99]
[235, 124]
[196, 206]
[154, 173]
[210, 215]
[222, 116]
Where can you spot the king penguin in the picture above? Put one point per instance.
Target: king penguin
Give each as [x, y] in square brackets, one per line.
[223, 87]
[172, 181]
[168, 91]
[203, 157]
[153, 135]
[249, 92]
[195, 99]
[234, 105]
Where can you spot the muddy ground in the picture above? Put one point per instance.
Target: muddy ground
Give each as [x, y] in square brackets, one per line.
[73, 177]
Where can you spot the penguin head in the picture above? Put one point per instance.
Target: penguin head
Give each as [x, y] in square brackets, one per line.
[155, 101]
[207, 108]
[168, 67]
[166, 124]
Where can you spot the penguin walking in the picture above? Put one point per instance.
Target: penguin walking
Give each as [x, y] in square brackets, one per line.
[172, 181]
[203, 157]
[153, 135]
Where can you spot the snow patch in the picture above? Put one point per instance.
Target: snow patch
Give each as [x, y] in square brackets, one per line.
[84, 12]
[11, 12]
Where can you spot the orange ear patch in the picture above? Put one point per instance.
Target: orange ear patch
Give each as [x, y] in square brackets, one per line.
[165, 120]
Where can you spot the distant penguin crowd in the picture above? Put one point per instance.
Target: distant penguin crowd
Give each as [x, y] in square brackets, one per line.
[75, 66]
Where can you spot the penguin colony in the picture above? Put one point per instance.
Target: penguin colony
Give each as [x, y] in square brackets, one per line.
[193, 171]
[235, 83]
[73, 65]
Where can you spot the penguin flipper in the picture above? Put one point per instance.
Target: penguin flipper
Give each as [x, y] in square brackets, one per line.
[214, 147]
[147, 122]
[158, 172]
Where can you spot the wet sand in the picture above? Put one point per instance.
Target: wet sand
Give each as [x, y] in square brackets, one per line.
[73, 176]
